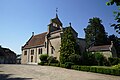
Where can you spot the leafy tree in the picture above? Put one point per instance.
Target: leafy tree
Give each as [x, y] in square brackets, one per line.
[68, 45]
[116, 13]
[95, 33]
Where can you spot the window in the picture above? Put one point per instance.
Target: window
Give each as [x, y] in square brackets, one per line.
[32, 52]
[40, 51]
[25, 52]
[45, 44]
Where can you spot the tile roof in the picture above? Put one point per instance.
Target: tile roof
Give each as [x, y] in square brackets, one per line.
[35, 40]
[100, 48]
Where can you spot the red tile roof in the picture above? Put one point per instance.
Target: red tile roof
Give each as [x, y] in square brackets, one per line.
[100, 48]
[35, 40]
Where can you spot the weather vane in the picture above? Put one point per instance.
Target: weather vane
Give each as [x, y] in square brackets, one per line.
[56, 10]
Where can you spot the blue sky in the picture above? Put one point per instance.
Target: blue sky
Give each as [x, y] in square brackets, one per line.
[19, 18]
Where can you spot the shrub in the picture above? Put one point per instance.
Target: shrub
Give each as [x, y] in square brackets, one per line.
[43, 58]
[102, 70]
[74, 58]
[92, 69]
[88, 59]
[114, 61]
[85, 68]
[62, 65]
[99, 58]
[68, 65]
[116, 66]
[52, 59]
[76, 67]
[41, 63]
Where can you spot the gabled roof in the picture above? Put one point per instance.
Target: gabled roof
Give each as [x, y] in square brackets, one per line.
[100, 48]
[35, 40]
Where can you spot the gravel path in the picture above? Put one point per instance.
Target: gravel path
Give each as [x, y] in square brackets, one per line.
[35, 72]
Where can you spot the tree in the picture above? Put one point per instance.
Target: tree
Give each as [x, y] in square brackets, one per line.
[117, 15]
[68, 45]
[95, 33]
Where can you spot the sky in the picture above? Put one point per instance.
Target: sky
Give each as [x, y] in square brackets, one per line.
[19, 18]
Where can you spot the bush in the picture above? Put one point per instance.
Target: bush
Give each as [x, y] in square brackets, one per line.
[102, 70]
[41, 63]
[116, 66]
[55, 64]
[114, 61]
[74, 58]
[85, 68]
[68, 65]
[43, 58]
[99, 58]
[88, 59]
[52, 59]
[62, 65]
[92, 69]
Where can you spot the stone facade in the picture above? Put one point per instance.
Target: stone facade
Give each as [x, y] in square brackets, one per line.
[46, 43]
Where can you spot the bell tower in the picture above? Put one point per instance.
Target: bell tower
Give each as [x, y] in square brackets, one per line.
[55, 23]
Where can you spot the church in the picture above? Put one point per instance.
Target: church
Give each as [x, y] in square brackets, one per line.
[47, 43]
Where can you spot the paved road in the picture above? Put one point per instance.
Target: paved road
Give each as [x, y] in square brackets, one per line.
[35, 72]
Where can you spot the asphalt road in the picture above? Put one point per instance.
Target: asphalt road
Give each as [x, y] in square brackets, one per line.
[36, 72]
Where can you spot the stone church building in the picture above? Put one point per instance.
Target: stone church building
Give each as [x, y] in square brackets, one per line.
[47, 43]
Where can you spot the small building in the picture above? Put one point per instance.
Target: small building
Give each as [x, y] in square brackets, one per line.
[46, 43]
[106, 50]
[7, 56]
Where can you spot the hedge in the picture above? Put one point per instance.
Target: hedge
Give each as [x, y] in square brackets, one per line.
[95, 69]
[102, 70]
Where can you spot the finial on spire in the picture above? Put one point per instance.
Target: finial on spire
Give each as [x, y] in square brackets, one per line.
[70, 23]
[56, 12]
